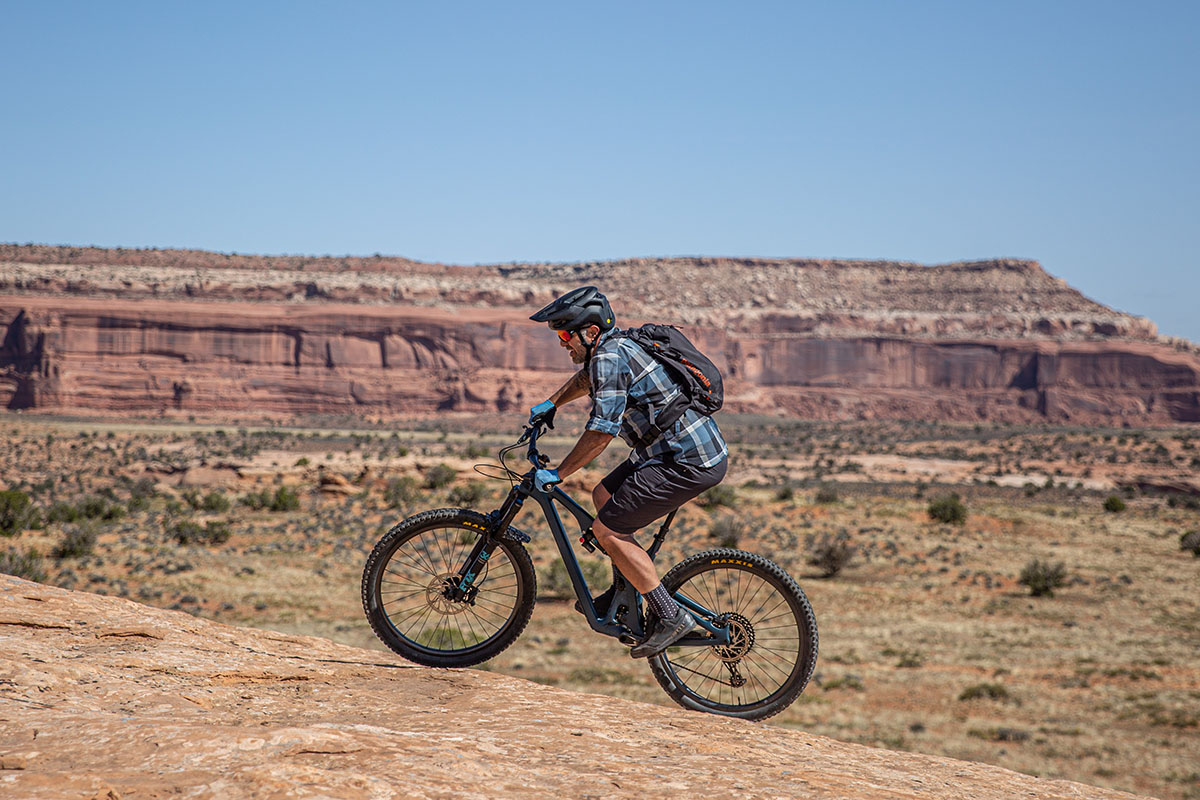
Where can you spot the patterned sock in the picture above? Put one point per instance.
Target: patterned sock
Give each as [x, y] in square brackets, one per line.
[661, 603]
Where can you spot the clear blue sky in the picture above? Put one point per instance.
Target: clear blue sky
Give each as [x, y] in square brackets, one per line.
[489, 132]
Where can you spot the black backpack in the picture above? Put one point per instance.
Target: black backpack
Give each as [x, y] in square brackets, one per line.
[703, 387]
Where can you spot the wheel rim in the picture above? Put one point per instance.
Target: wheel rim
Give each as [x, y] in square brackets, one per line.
[411, 592]
[766, 641]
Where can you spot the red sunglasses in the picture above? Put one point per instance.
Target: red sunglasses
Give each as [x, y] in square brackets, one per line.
[564, 335]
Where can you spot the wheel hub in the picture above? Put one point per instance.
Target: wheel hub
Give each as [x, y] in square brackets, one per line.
[741, 637]
[437, 595]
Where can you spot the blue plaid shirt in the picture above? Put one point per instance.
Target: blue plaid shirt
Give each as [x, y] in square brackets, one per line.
[629, 388]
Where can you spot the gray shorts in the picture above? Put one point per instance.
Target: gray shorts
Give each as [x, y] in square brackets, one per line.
[642, 494]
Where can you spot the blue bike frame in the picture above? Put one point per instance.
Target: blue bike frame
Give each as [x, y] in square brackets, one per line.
[623, 619]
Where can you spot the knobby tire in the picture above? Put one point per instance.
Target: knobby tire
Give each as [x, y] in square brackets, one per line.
[402, 601]
[777, 664]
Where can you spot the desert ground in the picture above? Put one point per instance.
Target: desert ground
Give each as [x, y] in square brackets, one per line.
[929, 640]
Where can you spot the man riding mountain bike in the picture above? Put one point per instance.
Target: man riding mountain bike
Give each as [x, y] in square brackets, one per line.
[629, 388]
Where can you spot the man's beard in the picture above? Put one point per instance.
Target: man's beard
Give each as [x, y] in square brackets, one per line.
[577, 357]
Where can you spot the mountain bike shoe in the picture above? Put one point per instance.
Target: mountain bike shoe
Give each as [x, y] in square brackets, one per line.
[664, 633]
[601, 601]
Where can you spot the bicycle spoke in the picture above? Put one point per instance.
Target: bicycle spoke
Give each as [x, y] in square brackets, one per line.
[767, 643]
[441, 623]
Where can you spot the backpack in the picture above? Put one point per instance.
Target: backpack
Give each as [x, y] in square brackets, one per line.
[703, 387]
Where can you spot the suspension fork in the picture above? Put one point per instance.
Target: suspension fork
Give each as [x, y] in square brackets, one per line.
[462, 587]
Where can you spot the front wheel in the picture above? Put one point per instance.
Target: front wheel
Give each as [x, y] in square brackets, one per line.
[405, 590]
[773, 637]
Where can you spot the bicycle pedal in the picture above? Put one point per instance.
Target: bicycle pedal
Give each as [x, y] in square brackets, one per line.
[628, 639]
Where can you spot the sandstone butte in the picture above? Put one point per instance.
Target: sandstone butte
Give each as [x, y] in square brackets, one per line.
[106, 699]
[171, 333]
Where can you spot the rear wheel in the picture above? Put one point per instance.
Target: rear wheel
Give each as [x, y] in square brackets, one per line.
[406, 598]
[773, 637]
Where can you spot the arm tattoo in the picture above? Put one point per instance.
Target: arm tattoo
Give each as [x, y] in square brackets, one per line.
[581, 382]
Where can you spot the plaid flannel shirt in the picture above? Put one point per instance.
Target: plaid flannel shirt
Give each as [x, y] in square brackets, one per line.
[629, 388]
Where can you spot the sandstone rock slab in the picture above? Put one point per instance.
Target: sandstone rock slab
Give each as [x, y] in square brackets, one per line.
[102, 697]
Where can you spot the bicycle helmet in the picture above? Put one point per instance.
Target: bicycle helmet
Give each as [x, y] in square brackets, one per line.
[576, 310]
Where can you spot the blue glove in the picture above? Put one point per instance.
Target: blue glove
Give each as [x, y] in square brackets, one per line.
[543, 479]
[543, 412]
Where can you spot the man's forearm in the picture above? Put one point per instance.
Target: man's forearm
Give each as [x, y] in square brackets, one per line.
[573, 389]
[590, 445]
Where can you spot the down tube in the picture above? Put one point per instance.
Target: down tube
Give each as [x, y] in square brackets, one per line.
[560, 534]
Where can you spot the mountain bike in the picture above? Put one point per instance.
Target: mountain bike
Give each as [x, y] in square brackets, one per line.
[454, 587]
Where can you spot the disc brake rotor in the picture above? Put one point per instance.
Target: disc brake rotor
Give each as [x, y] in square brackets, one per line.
[435, 595]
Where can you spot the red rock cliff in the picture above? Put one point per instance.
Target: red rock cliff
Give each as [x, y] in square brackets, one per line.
[167, 332]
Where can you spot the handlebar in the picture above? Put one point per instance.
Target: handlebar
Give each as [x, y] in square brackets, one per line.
[531, 434]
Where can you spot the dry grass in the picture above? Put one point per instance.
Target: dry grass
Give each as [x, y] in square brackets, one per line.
[1098, 683]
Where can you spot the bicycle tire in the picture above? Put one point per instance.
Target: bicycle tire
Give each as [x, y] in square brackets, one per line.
[730, 582]
[402, 581]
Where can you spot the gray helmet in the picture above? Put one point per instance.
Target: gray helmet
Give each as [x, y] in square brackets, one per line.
[576, 310]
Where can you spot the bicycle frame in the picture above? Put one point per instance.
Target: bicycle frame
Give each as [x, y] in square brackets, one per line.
[623, 619]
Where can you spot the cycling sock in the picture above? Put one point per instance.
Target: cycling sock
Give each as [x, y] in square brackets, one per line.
[661, 603]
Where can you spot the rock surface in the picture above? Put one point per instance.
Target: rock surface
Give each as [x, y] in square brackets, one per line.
[105, 698]
[191, 333]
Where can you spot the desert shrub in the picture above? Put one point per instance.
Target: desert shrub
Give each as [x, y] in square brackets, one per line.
[1114, 504]
[906, 659]
[96, 507]
[1190, 541]
[999, 734]
[216, 502]
[474, 450]
[256, 501]
[726, 530]
[37, 520]
[719, 495]
[948, 509]
[302, 461]
[62, 512]
[76, 542]
[15, 511]
[827, 495]
[553, 581]
[193, 498]
[285, 499]
[188, 532]
[852, 682]
[439, 476]
[785, 494]
[594, 675]
[468, 495]
[1042, 577]
[985, 691]
[402, 492]
[143, 488]
[830, 554]
[27, 565]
